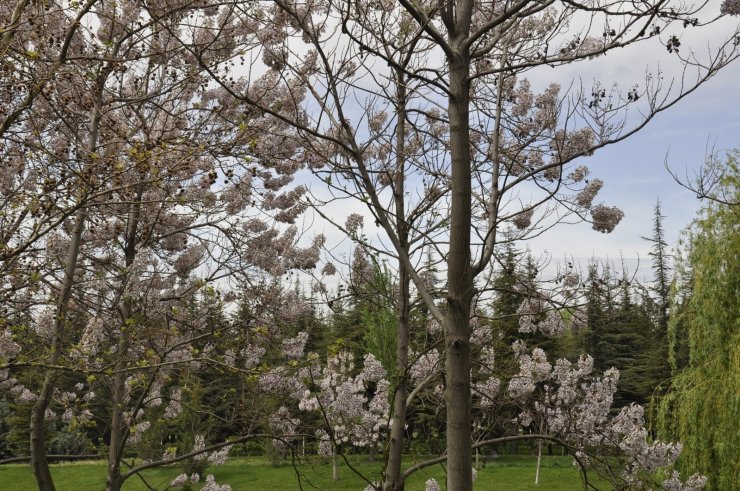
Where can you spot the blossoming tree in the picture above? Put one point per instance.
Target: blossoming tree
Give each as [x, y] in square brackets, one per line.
[118, 164]
[437, 94]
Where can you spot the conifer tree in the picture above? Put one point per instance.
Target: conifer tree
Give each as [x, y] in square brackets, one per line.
[661, 290]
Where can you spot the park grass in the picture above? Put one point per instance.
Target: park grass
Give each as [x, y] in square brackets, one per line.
[257, 473]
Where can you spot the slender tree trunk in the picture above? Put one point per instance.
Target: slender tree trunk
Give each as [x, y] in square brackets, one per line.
[459, 283]
[539, 460]
[396, 443]
[118, 427]
[115, 448]
[334, 464]
[39, 462]
[393, 481]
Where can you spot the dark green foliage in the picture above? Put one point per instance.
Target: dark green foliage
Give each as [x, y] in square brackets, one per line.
[621, 334]
[69, 443]
[659, 301]
[6, 450]
[679, 320]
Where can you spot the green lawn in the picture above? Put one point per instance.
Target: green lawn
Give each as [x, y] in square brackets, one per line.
[254, 474]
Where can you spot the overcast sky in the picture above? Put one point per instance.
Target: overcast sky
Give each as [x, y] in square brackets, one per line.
[633, 170]
[635, 175]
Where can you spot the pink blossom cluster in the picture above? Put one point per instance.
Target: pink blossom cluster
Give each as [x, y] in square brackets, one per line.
[523, 219]
[527, 312]
[8, 347]
[212, 485]
[198, 445]
[353, 223]
[283, 424]
[605, 218]
[252, 355]
[180, 480]
[174, 408]
[579, 173]
[432, 485]
[553, 323]
[136, 432]
[567, 400]
[425, 365]
[293, 347]
[342, 398]
[587, 195]
[220, 456]
[567, 145]
[730, 7]
[695, 482]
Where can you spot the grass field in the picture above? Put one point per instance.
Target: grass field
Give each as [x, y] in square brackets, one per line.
[254, 474]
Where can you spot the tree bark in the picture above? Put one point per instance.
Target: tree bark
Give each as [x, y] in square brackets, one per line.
[539, 460]
[115, 448]
[118, 427]
[39, 462]
[334, 464]
[459, 283]
[396, 442]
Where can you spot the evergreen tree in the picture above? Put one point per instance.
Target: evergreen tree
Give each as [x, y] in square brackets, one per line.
[600, 307]
[508, 295]
[661, 290]
[661, 269]
[680, 314]
[620, 334]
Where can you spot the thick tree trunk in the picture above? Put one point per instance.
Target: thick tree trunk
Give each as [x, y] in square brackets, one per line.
[396, 443]
[459, 284]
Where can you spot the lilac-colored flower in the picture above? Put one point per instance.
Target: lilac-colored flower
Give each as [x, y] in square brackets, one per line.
[220, 456]
[694, 483]
[8, 347]
[432, 485]
[293, 348]
[174, 408]
[579, 173]
[198, 446]
[730, 7]
[605, 218]
[252, 355]
[179, 480]
[587, 195]
[553, 324]
[523, 219]
[354, 223]
[329, 269]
